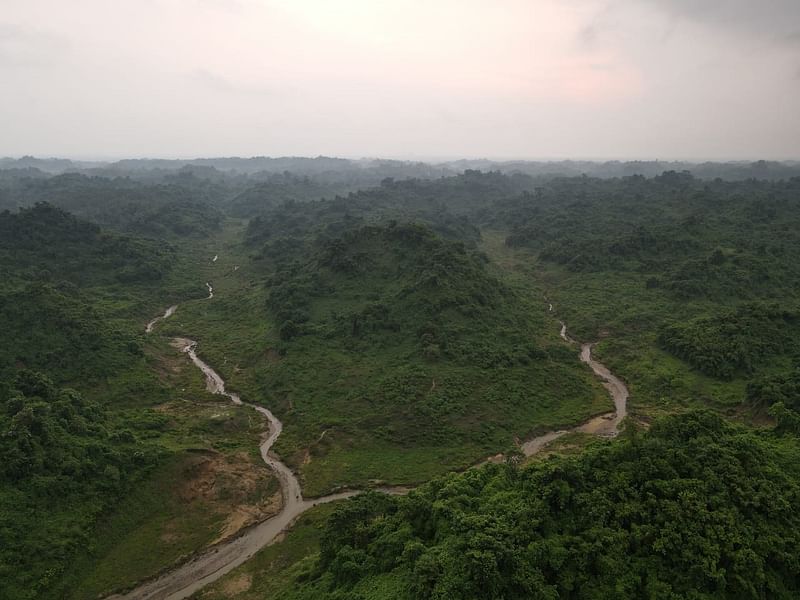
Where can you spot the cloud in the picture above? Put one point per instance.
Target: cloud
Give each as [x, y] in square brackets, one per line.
[610, 78]
[220, 83]
[770, 19]
[587, 35]
[230, 6]
[26, 47]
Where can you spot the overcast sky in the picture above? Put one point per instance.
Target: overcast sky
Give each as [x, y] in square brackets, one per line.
[402, 78]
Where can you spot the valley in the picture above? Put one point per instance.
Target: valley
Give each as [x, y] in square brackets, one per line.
[386, 349]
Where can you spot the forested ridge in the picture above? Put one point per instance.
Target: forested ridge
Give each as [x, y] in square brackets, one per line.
[45, 243]
[737, 341]
[175, 207]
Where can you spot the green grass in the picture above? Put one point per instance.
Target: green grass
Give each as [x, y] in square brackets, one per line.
[162, 398]
[617, 309]
[154, 527]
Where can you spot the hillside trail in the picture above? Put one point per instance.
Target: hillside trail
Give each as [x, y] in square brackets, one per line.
[214, 562]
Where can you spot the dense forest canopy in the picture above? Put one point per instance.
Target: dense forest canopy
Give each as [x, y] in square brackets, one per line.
[437, 350]
[46, 243]
[177, 207]
[396, 317]
[694, 508]
[341, 168]
[63, 467]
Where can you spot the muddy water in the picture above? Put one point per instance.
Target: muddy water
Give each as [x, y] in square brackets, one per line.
[167, 314]
[603, 425]
[211, 564]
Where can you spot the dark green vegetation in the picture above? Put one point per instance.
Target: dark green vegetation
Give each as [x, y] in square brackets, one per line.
[402, 355]
[734, 342]
[694, 508]
[46, 244]
[73, 301]
[693, 283]
[400, 330]
[64, 464]
[273, 571]
[178, 206]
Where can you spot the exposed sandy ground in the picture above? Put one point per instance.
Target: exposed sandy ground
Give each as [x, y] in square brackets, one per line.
[232, 485]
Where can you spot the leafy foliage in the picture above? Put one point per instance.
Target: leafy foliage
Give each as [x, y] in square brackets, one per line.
[733, 342]
[44, 243]
[61, 468]
[181, 207]
[693, 508]
[693, 239]
[57, 330]
[441, 357]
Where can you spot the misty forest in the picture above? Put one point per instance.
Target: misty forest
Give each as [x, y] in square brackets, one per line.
[310, 378]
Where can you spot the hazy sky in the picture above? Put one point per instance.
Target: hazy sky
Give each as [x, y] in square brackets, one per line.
[401, 78]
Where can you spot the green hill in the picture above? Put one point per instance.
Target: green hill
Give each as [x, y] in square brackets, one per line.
[45, 243]
[179, 207]
[400, 356]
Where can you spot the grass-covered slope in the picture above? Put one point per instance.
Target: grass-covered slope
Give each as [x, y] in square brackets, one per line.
[397, 355]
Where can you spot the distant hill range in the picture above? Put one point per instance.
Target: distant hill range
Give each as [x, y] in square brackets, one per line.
[212, 168]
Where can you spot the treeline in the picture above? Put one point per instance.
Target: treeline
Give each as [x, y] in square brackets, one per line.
[453, 207]
[694, 508]
[693, 238]
[181, 207]
[734, 342]
[339, 167]
[282, 188]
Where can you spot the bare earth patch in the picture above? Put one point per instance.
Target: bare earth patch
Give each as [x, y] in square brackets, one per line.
[237, 585]
[232, 485]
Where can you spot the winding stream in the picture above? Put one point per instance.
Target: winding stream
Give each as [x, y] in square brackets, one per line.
[212, 563]
[167, 314]
[606, 425]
